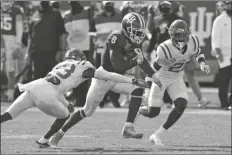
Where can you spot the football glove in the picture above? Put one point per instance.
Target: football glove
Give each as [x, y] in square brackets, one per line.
[205, 68]
[140, 83]
[70, 107]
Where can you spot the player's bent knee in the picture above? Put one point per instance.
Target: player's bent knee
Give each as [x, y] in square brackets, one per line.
[180, 104]
[89, 111]
[153, 111]
[138, 92]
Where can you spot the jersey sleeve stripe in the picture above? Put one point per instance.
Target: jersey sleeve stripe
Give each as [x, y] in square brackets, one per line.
[165, 53]
[168, 50]
[198, 52]
[194, 42]
[198, 44]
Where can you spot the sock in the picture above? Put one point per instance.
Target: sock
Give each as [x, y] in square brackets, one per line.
[43, 140]
[5, 117]
[74, 119]
[133, 109]
[172, 118]
[128, 124]
[55, 127]
[161, 130]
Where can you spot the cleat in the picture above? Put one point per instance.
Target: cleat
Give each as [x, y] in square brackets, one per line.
[43, 145]
[54, 140]
[129, 132]
[203, 102]
[155, 139]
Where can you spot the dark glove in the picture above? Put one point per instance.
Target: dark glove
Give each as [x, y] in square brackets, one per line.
[140, 83]
[70, 107]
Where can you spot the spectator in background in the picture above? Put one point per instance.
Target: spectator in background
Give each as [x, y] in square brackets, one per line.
[105, 22]
[12, 32]
[45, 41]
[220, 7]
[221, 45]
[78, 22]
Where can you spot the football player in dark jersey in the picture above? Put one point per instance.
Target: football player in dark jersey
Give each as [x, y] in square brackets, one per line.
[122, 52]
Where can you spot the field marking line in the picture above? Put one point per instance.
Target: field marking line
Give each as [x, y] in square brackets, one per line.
[38, 136]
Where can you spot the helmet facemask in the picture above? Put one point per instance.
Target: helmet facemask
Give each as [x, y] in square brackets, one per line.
[179, 37]
[136, 35]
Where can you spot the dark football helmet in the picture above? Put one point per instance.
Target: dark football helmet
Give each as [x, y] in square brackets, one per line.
[179, 32]
[134, 27]
[75, 54]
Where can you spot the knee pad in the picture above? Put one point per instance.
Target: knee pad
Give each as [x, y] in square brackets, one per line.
[180, 104]
[153, 111]
[138, 92]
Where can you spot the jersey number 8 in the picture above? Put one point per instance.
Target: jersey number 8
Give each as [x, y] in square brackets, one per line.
[113, 39]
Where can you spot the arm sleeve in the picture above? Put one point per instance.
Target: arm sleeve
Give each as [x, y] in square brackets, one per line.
[216, 31]
[146, 67]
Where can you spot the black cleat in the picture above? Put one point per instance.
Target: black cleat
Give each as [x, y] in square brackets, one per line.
[43, 145]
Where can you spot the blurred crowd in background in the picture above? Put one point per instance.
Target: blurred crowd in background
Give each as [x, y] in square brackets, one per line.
[36, 34]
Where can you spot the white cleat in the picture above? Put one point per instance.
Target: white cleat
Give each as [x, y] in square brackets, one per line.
[203, 102]
[54, 140]
[155, 139]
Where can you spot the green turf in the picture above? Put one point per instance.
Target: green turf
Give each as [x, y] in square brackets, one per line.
[197, 132]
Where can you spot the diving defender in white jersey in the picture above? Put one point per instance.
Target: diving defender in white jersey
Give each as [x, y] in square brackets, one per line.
[47, 94]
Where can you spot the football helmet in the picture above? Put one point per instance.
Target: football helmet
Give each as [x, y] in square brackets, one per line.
[75, 54]
[179, 32]
[134, 27]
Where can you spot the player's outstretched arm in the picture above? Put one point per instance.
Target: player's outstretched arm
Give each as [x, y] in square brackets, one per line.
[105, 75]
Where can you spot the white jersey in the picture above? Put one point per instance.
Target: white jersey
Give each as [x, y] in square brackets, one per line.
[69, 73]
[172, 60]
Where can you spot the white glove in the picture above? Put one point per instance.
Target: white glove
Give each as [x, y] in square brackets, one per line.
[139, 53]
[156, 80]
[205, 68]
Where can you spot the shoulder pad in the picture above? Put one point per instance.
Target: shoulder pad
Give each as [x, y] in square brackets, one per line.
[163, 50]
[194, 39]
[87, 64]
[116, 38]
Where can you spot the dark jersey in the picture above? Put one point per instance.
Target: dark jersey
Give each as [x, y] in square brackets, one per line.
[8, 20]
[119, 55]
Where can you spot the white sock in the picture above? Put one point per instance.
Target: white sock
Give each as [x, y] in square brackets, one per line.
[43, 140]
[128, 124]
[160, 131]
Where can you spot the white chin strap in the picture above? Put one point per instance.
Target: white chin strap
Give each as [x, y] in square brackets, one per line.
[181, 44]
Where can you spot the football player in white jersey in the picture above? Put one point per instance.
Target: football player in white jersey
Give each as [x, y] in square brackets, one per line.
[172, 55]
[47, 93]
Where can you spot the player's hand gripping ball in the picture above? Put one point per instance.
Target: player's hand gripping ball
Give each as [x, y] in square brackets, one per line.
[70, 107]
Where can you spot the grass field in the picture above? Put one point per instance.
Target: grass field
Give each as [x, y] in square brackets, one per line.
[205, 131]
